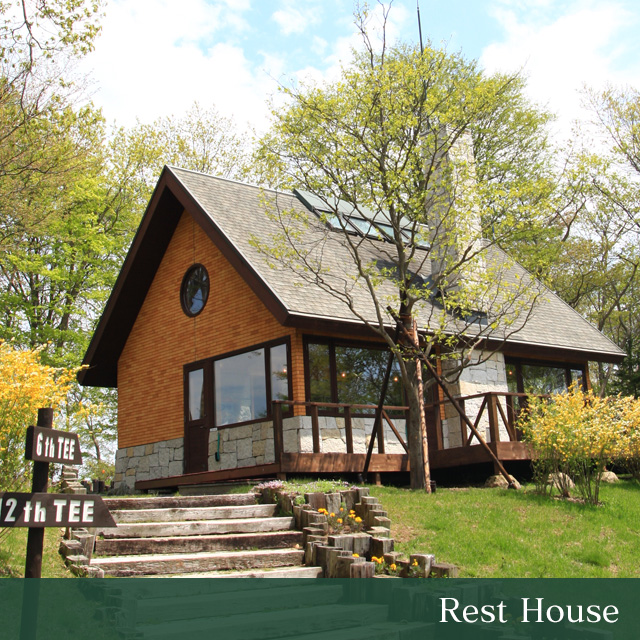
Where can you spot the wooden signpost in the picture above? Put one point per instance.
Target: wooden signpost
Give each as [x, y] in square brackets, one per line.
[39, 509]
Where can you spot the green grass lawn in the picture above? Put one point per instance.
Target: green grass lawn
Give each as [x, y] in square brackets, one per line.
[486, 532]
[13, 547]
[501, 533]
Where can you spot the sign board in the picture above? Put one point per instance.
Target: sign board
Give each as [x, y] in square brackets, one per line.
[39, 510]
[49, 445]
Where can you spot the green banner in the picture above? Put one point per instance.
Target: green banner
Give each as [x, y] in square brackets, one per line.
[375, 609]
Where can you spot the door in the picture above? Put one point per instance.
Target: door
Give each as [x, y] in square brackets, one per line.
[198, 416]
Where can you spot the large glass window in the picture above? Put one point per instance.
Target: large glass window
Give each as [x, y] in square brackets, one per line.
[279, 372]
[350, 374]
[541, 378]
[196, 394]
[319, 373]
[238, 388]
[360, 373]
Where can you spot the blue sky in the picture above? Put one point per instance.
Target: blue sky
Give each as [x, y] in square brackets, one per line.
[156, 57]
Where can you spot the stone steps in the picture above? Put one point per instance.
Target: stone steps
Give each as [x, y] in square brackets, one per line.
[209, 535]
[170, 502]
[200, 543]
[154, 564]
[184, 514]
[197, 528]
[253, 610]
[171, 608]
[267, 625]
[285, 572]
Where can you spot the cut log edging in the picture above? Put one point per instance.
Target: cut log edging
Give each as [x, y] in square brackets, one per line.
[76, 548]
[349, 554]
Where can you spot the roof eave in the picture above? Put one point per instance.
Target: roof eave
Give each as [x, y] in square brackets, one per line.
[169, 200]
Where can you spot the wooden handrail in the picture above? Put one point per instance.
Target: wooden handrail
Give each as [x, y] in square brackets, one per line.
[337, 405]
[315, 425]
[490, 403]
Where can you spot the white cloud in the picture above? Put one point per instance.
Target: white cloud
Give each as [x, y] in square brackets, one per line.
[155, 58]
[559, 55]
[293, 18]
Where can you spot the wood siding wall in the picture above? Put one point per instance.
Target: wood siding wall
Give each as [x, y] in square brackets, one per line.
[164, 339]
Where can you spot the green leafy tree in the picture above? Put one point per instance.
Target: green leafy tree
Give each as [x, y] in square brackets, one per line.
[597, 261]
[392, 140]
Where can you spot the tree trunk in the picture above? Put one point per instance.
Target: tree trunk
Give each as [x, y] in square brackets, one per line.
[416, 459]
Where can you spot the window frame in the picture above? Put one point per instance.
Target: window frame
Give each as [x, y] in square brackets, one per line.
[332, 343]
[183, 290]
[208, 365]
[554, 364]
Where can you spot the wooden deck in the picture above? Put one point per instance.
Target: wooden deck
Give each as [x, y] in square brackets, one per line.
[316, 462]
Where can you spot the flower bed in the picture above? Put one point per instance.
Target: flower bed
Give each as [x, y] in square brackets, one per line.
[347, 533]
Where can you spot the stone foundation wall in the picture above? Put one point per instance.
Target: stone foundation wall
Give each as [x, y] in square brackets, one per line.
[248, 446]
[148, 462]
[490, 375]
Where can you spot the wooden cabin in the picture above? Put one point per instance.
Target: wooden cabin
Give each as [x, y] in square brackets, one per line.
[228, 368]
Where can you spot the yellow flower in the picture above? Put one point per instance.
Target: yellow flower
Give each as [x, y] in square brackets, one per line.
[332, 515]
[355, 555]
[393, 566]
[339, 520]
[358, 519]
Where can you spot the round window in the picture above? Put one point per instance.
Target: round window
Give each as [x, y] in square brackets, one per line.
[195, 290]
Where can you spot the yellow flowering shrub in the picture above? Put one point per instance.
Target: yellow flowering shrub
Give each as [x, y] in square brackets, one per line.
[25, 386]
[628, 449]
[575, 433]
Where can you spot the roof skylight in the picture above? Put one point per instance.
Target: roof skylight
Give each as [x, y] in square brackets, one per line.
[341, 215]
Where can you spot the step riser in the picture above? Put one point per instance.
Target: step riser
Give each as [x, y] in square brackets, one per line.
[176, 502]
[154, 610]
[269, 625]
[240, 562]
[189, 514]
[291, 572]
[198, 543]
[213, 527]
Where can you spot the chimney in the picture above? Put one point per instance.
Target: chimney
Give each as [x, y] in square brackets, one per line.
[453, 210]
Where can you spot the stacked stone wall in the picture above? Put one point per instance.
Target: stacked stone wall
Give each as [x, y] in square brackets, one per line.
[248, 446]
[489, 375]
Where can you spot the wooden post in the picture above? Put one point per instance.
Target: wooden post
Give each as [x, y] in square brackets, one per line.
[35, 537]
[463, 427]
[278, 438]
[438, 420]
[378, 417]
[423, 420]
[496, 462]
[348, 432]
[380, 426]
[315, 428]
[494, 431]
[35, 544]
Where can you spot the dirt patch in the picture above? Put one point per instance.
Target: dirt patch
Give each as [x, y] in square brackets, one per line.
[402, 533]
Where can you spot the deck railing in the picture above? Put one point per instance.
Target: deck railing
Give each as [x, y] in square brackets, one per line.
[501, 409]
[334, 409]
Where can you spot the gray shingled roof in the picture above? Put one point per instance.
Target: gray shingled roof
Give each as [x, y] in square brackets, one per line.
[238, 211]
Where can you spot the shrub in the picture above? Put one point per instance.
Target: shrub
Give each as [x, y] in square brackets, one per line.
[25, 386]
[577, 434]
[628, 450]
